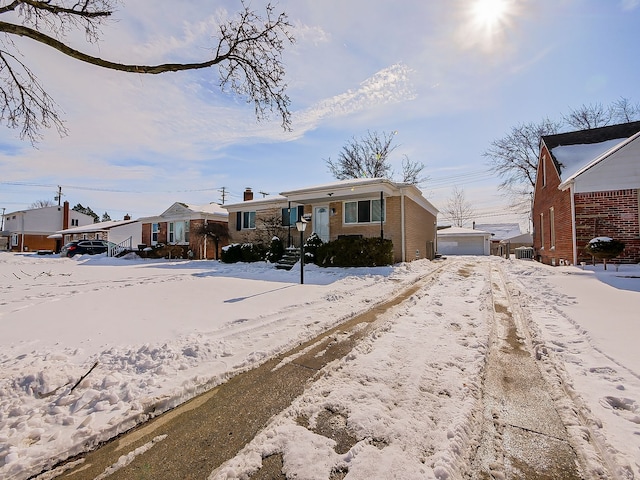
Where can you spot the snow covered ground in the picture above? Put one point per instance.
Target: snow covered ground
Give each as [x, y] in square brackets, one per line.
[160, 332]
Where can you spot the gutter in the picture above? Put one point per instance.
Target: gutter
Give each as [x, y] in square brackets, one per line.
[402, 226]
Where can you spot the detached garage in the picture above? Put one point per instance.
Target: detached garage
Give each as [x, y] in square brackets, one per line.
[463, 241]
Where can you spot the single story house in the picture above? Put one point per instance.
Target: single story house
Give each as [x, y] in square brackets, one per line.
[463, 241]
[126, 233]
[31, 230]
[181, 224]
[367, 207]
[587, 186]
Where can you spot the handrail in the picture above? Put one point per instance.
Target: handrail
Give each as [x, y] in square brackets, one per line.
[115, 250]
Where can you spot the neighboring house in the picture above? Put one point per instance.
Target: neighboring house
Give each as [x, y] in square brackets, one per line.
[587, 186]
[463, 241]
[179, 225]
[127, 232]
[30, 230]
[365, 207]
[505, 236]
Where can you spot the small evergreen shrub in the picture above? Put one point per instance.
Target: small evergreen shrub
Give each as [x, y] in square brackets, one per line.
[311, 247]
[276, 250]
[243, 252]
[355, 252]
[604, 248]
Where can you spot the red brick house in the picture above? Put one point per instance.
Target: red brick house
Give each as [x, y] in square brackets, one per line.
[587, 185]
[179, 224]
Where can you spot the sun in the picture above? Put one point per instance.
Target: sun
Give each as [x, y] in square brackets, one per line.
[490, 13]
[486, 24]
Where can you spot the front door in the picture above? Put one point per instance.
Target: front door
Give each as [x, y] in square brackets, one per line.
[321, 222]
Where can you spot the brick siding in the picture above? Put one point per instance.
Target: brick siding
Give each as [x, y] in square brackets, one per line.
[611, 214]
[546, 197]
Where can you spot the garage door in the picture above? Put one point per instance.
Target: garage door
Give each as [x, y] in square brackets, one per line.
[461, 246]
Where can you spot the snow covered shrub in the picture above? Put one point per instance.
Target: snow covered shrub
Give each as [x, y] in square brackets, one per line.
[276, 250]
[355, 252]
[311, 247]
[242, 252]
[604, 248]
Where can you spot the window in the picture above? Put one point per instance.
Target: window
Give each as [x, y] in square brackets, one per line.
[552, 227]
[544, 170]
[179, 232]
[14, 239]
[363, 211]
[155, 229]
[291, 216]
[75, 222]
[542, 230]
[248, 220]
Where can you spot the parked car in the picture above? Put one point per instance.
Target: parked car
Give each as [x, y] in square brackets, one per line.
[84, 247]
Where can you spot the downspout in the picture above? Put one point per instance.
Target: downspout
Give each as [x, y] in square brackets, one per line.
[381, 217]
[573, 225]
[402, 234]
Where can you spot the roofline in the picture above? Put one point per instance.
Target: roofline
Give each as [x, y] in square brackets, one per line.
[603, 156]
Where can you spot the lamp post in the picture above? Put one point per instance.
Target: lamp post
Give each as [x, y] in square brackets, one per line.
[300, 226]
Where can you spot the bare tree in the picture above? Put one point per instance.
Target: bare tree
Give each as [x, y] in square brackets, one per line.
[458, 210]
[514, 157]
[368, 157]
[247, 51]
[412, 172]
[595, 115]
[41, 204]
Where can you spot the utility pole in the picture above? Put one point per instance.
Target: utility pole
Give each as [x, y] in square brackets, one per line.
[59, 196]
[2, 227]
[223, 192]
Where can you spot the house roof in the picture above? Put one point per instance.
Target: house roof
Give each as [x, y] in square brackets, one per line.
[500, 231]
[359, 187]
[573, 150]
[597, 159]
[341, 189]
[522, 238]
[213, 208]
[461, 231]
[96, 227]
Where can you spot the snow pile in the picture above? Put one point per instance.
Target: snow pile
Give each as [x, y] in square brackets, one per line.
[91, 346]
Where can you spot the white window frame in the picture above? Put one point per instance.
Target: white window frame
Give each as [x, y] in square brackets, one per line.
[15, 239]
[155, 233]
[371, 210]
[249, 220]
[542, 231]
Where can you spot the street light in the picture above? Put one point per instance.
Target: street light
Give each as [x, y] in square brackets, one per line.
[300, 226]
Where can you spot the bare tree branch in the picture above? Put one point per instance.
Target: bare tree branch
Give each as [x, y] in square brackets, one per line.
[248, 54]
[368, 157]
[458, 210]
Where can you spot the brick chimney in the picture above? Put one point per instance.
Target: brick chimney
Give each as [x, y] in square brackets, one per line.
[65, 216]
[248, 194]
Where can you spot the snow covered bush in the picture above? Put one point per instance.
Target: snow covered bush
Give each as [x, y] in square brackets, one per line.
[243, 252]
[604, 248]
[276, 250]
[355, 252]
[311, 247]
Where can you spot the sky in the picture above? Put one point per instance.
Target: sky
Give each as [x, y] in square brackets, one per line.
[425, 354]
[449, 76]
